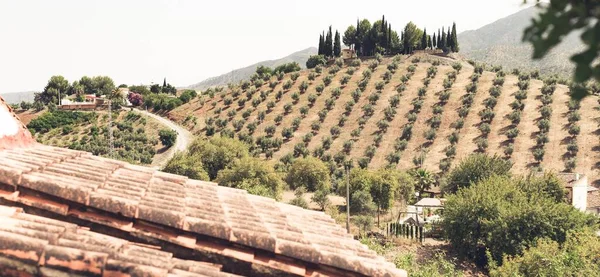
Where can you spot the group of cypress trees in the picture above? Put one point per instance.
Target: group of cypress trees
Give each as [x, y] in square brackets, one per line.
[448, 42]
[367, 39]
[330, 46]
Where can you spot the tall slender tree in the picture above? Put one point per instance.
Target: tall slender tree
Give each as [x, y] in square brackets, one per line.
[454, 38]
[424, 40]
[165, 82]
[429, 42]
[321, 42]
[439, 40]
[444, 41]
[329, 43]
[389, 42]
[337, 46]
[358, 44]
[434, 41]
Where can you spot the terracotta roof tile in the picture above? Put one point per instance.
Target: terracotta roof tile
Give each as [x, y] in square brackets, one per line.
[168, 200]
[36, 245]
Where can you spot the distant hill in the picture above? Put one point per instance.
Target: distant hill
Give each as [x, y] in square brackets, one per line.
[244, 73]
[499, 43]
[17, 97]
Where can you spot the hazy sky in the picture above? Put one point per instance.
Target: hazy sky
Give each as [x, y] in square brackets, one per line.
[187, 41]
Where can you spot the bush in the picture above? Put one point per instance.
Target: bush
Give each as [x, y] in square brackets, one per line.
[482, 144]
[575, 257]
[489, 217]
[254, 175]
[574, 130]
[475, 168]
[167, 137]
[187, 165]
[538, 154]
[315, 60]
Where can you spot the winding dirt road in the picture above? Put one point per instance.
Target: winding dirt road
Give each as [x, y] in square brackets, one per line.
[184, 139]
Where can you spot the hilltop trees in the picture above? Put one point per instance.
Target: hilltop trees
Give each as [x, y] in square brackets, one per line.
[337, 46]
[349, 37]
[328, 49]
[368, 40]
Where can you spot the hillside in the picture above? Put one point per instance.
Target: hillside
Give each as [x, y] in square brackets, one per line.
[17, 97]
[499, 43]
[244, 73]
[135, 137]
[430, 111]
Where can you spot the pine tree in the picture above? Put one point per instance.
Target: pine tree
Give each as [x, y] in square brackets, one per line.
[337, 46]
[454, 38]
[424, 40]
[329, 43]
[434, 41]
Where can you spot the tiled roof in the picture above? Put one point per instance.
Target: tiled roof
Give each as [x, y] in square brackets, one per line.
[247, 234]
[32, 245]
[195, 215]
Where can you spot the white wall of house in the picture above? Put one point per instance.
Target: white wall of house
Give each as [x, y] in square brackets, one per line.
[580, 192]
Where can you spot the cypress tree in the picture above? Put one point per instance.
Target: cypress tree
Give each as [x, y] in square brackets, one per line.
[444, 41]
[390, 37]
[337, 46]
[429, 42]
[383, 29]
[434, 41]
[424, 40]
[165, 82]
[454, 38]
[329, 43]
[357, 45]
[439, 39]
[320, 52]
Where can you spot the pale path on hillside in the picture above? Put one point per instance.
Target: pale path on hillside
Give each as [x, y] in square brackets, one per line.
[417, 140]
[313, 113]
[184, 138]
[524, 143]
[437, 151]
[397, 124]
[470, 132]
[588, 139]
[501, 122]
[357, 111]
[370, 130]
[558, 133]
[333, 116]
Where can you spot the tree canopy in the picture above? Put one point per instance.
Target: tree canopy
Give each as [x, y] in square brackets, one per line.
[475, 168]
[310, 173]
[254, 175]
[497, 216]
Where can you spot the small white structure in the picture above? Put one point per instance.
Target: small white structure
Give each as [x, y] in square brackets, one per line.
[577, 189]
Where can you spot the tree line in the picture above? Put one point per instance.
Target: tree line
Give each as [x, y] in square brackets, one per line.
[368, 39]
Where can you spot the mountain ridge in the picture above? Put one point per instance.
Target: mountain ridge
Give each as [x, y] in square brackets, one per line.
[244, 73]
[500, 43]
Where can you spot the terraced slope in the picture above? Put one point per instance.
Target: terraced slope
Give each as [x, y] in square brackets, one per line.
[404, 112]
